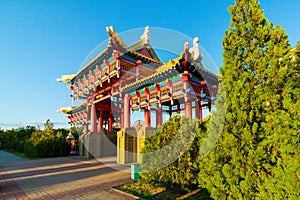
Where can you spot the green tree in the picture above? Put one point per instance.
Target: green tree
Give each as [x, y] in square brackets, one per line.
[10, 139]
[47, 143]
[13, 139]
[76, 131]
[282, 129]
[23, 134]
[48, 125]
[243, 164]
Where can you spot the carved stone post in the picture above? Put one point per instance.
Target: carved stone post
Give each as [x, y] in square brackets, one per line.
[188, 108]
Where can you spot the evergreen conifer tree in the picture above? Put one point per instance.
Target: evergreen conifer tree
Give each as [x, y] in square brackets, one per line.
[282, 128]
[253, 152]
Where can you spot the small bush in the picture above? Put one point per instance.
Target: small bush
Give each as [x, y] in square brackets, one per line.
[178, 138]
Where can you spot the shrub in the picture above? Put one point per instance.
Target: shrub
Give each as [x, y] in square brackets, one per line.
[177, 139]
[48, 143]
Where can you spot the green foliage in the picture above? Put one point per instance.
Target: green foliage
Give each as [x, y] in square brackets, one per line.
[47, 143]
[35, 142]
[172, 140]
[257, 155]
[76, 131]
[14, 139]
[282, 129]
[48, 125]
[149, 192]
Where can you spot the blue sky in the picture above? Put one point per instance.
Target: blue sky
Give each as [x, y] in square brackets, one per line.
[41, 40]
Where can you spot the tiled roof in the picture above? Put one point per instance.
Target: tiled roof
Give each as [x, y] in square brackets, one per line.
[106, 53]
[162, 69]
[143, 57]
[66, 78]
[140, 45]
[71, 109]
[166, 67]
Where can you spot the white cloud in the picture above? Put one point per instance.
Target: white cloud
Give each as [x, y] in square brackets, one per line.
[4, 125]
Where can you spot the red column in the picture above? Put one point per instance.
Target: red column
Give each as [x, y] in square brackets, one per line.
[110, 123]
[100, 123]
[147, 117]
[188, 108]
[200, 112]
[126, 112]
[158, 117]
[88, 118]
[93, 119]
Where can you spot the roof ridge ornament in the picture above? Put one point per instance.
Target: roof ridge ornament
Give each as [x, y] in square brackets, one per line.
[186, 51]
[114, 38]
[195, 50]
[110, 30]
[146, 35]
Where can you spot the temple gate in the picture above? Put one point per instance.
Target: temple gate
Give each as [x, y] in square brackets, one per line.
[125, 79]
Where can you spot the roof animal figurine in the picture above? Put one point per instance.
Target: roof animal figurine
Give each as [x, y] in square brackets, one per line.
[195, 50]
[146, 35]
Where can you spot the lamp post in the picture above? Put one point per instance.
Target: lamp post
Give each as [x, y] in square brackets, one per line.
[71, 141]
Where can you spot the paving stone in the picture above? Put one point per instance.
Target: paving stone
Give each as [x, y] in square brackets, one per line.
[60, 178]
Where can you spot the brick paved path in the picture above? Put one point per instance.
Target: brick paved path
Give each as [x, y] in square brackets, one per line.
[60, 178]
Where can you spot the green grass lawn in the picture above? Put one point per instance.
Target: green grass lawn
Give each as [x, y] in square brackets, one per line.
[22, 155]
[149, 192]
